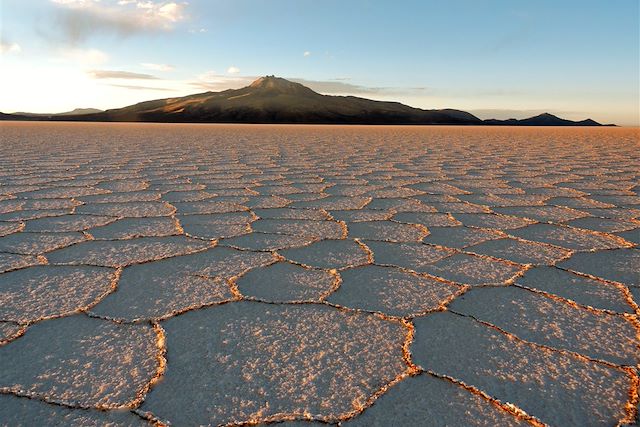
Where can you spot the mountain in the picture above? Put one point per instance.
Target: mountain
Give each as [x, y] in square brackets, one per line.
[275, 100]
[272, 99]
[74, 112]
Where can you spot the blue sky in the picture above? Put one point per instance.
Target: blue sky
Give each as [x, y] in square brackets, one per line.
[495, 58]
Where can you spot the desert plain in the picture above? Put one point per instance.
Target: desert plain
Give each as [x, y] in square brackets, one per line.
[155, 274]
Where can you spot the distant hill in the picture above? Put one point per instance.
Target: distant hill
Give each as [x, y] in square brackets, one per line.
[544, 119]
[75, 112]
[272, 99]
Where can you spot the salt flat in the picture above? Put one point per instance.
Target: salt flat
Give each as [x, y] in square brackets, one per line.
[251, 274]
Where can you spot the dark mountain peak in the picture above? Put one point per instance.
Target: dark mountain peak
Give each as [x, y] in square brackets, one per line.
[589, 122]
[547, 117]
[279, 85]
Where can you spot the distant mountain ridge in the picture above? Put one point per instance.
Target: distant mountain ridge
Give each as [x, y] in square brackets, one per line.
[544, 119]
[74, 112]
[272, 99]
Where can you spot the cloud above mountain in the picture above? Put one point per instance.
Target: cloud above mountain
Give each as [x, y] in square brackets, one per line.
[77, 20]
[114, 74]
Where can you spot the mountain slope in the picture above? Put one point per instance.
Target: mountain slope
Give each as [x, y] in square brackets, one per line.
[275, 100]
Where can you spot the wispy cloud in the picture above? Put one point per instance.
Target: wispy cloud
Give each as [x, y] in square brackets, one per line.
[77, 20]
[157, 67]
[112, 74]
[306, 53]
[135, 87]
[233, 70]
[212, 81]
[335, 87]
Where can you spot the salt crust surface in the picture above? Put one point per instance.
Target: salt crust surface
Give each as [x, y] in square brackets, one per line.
[214, 275]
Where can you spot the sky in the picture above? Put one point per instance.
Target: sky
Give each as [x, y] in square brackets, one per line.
[494, 58]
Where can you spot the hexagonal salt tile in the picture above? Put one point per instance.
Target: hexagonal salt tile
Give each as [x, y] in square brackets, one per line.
[473, 270]
[619, 265]
[583, 290]
[273, 360]
[557, 388]
[436, 401]
[521, 251]
[117, 253]
[392, 291]
[22, 411]
[285, 282]
[45, 291]
[412, 256]
[81, 361]
[543, 320]
[329, 254]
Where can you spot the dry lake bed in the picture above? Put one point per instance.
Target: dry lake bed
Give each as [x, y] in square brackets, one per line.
[310, 275]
